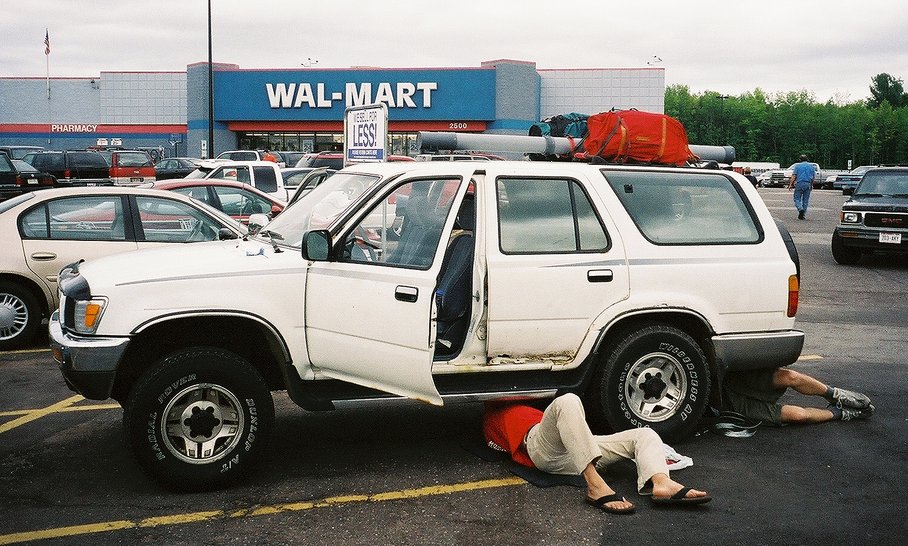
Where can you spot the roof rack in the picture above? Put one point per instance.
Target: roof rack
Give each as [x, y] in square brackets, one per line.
[429, 141]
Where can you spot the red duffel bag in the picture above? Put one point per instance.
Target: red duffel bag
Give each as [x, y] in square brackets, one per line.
[632, 136]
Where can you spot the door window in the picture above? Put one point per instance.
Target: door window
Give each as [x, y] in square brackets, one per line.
[168, 221]
[200, 193]
[239, 202]
[547, 216]
[94, 218]
[239, 174]
[405, 228]
[265, 179]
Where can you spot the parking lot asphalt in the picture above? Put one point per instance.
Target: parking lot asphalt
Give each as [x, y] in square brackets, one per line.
[398, 473]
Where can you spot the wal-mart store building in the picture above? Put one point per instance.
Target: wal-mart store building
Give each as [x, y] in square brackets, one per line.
[303, 109]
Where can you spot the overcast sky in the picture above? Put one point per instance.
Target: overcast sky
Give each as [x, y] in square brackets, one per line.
[831, 48]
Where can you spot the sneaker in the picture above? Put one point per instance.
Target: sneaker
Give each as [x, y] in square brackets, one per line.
[846, 398]
[851, 413]
[800, 215]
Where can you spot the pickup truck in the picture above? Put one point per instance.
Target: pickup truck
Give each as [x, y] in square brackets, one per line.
[263, 175]
[444, 282]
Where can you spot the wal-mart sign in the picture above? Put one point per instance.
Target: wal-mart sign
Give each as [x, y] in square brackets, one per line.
[294, 95]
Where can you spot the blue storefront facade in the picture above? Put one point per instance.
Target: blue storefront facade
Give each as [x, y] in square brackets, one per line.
[303, 109]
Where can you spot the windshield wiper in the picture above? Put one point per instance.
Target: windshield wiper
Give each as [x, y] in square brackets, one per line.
[868, 195]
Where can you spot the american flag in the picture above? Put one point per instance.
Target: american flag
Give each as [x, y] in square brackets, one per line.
[46, 42]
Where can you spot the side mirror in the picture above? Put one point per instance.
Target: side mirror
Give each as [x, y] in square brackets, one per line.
[317, 245]
[257, 222]
[225, 234]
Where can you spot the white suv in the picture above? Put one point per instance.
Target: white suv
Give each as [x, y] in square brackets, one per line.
[439, 281]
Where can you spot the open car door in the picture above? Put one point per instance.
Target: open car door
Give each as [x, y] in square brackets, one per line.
[370, 308]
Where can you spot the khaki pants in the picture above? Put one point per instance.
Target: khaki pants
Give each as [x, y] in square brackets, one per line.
[562, 443]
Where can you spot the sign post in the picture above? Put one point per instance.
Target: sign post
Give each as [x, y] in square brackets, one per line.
[366, 134]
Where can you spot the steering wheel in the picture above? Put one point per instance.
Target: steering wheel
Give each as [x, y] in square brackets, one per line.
[197, 233]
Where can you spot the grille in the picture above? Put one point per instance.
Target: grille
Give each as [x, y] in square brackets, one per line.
[886, 220]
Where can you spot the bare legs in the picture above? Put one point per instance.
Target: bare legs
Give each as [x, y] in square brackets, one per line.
[804, 384]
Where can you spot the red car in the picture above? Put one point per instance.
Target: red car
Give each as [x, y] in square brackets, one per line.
[129, 167]
[234, 198]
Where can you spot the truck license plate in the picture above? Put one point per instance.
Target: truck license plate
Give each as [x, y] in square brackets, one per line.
[894, 238]
[136, 179]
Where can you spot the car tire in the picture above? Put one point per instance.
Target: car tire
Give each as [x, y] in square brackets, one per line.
[199, 393]
[656, 376]
[842, 253]
[20, 315]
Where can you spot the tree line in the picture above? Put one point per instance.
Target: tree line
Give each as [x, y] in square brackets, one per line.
[780, 127]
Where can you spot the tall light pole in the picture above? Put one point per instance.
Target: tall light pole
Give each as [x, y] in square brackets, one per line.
[210, 90]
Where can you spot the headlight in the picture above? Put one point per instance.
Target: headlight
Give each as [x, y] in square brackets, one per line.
[851, 217]
[87, 315]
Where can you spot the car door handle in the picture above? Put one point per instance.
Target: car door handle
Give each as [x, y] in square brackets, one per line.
[43, 256]
[600, 275]
[408, 294]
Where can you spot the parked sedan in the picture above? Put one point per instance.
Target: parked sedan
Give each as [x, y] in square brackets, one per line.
[847, 182]
[47, 230]
[17, 176]
[175, 167]
[234, 198]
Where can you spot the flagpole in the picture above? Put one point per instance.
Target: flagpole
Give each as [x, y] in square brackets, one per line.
[47, 59]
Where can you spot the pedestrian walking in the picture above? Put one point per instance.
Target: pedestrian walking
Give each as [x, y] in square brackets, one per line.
[801, 182]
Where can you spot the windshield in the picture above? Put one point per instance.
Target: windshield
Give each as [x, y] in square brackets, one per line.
[883, 183]
[320, 207]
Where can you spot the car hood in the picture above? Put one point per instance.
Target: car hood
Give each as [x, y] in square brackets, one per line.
[877, 204]
[181, 262]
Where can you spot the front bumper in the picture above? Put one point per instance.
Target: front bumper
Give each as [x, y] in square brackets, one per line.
[758, 350]
[88, 364]
[869, 238]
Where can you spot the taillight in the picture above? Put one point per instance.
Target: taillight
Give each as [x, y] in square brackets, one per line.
[66, 174]
[793, 288]
[19, 181]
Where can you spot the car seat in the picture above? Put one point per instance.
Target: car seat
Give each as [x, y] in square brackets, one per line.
[453, 293]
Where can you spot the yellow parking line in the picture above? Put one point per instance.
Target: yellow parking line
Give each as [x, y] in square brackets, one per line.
[192, 517]
[91, 407]
[39, 413]
[24, 351]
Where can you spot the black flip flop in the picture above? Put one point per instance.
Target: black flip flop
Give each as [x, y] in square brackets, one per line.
[681, 498]
[601, 502]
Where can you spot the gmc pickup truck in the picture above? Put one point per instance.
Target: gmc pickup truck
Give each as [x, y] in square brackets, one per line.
[634, 287]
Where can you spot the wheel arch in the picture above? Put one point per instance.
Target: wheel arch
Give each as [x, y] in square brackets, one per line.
[251, 337]
[33, 288]
[689, 321]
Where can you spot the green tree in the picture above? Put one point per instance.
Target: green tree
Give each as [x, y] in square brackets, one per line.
[886, 88]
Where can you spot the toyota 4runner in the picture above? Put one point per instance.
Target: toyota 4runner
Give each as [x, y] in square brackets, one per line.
[438, 281]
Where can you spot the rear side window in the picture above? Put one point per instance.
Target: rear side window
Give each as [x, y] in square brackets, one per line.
[87, 159]
[686, 209]
[265, 180]
[83, 218]
[547, 216]
[53, 161]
